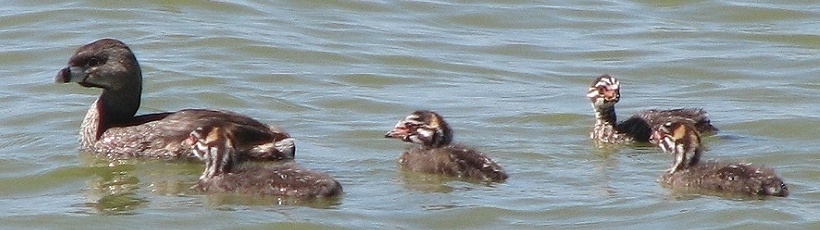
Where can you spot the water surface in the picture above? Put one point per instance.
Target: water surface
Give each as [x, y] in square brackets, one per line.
[509, 76]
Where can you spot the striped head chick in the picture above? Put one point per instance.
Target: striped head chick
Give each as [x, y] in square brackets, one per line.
[423, 127]
[604, 92]
[681, 139]
[213, 144]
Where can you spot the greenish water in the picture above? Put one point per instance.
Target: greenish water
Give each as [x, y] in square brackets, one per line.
[509, 76]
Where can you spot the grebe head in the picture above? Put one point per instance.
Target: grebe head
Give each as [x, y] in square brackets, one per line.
[681, 139]
[423, 127]
[213, 145]
[604, 91]
[105, 63]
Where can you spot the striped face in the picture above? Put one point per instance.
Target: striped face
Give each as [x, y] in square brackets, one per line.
[212, 145]
[604, 91]
[422, 127]
[681, 139]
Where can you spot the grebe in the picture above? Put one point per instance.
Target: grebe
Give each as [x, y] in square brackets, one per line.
[214, 143]
[111, 129]
[604, 93]
[682, 139]
[433, 153]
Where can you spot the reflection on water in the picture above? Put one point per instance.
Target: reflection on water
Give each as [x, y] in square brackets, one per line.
[424, 182]
[114, 191]
[117, 187]
[223, 201]
[603, 172]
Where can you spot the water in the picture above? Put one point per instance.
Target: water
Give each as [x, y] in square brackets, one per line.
[509, 76]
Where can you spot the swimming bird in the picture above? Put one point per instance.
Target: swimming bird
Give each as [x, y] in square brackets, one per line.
[110, 127]
[682, 139]
[215, 143]
[434, 153]
[604, 93]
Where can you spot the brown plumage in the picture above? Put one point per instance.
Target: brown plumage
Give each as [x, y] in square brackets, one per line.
[682, 139]
[433, 152]
[111, 129]
[604, 93]
[214, 143]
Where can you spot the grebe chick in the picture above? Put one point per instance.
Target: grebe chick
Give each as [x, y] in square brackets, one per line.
[214, 144]
[604, 93]
[682, 139]
[433, 153]
[110, 128]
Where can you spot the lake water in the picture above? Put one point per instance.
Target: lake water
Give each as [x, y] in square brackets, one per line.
[509, 76]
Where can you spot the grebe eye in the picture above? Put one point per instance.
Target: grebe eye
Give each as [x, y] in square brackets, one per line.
[93, 61]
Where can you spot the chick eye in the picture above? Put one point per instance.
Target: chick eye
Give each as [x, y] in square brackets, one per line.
[93, 61]
[411, 125]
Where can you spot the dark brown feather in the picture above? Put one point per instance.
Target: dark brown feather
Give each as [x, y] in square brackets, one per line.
[453, 160]
[681, 139]
[433, 151]
[275, 179]
[604, 93]
[111, 129]
[733, 178]
[213, 143]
